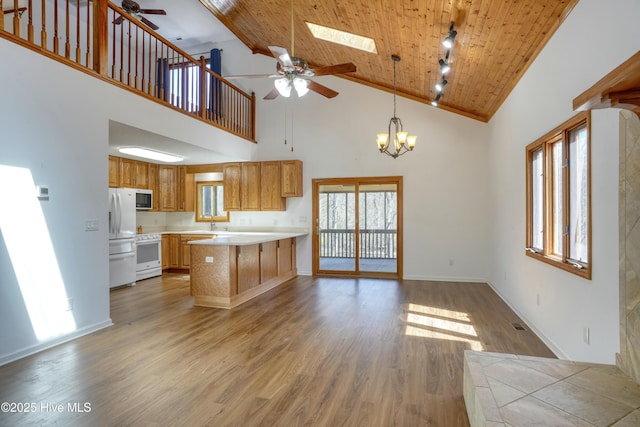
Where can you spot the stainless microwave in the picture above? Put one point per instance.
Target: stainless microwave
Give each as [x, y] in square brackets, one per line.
[144, 199]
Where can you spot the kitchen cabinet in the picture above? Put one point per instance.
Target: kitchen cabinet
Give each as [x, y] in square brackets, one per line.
[185, 190]
[165, 251]
[286, 257]
[152, 171]
[232, 174]
[174, 251]
[229, 271]
[248, 265]
[167, 188]
[241, 186]
[141, 172]
[268, 261]
[291, 178]
[114, 171]
[127, 173]
[270, 194]
[250, 186]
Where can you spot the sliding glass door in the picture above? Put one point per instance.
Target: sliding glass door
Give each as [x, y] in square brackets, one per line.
[358, 226]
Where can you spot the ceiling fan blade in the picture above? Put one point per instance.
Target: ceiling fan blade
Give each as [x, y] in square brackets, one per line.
[322, 90]
[281, 55]
[349, 67]
[153, 11]
[251, 76]
[272, 95]
[148, 23]
[19, 10]
[118, 20]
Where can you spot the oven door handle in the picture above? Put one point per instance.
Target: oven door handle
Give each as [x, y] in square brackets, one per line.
[122, 256]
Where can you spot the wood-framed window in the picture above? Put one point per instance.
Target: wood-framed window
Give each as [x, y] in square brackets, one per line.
[559, 197]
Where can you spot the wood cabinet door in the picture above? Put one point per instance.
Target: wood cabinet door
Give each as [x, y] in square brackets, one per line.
[141, 170]
[174, 251]
[291, 178]
[231, 181]
[250, 186]
[167, 186]
[248, 262]
[270, 198]
[152, 172]
[165, 251]
[186, 182]
[268, 261]
[285, 259]
[114, 171]
[127, 173]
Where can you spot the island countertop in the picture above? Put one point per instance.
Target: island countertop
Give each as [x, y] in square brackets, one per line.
[242, 238]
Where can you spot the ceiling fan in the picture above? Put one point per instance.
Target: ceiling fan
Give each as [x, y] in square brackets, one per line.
[293, 72]
[134, 9]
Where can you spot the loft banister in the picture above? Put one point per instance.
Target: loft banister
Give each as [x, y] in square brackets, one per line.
[100, 38]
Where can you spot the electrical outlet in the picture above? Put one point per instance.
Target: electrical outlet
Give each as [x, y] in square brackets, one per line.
[587, 336]
[91, 225]
[208, 259]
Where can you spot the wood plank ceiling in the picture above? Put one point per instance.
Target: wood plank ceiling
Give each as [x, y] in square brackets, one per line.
[496, 41]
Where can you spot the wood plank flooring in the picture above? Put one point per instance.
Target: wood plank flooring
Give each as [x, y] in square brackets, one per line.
[314, 351]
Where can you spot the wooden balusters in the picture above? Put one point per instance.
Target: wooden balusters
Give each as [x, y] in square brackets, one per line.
[56, 44]
[16, 18]
[30, 24]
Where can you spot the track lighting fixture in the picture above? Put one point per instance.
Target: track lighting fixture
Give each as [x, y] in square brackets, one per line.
[444, 66]
[440, 86]
[448, 42]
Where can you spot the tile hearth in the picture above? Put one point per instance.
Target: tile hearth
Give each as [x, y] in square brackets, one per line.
[521, 391]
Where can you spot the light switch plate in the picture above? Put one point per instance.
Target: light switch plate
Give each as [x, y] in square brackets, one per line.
[91, 225]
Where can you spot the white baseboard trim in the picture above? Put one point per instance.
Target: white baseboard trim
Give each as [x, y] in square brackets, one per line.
[445, 279]
[532, 326]
[12, 357]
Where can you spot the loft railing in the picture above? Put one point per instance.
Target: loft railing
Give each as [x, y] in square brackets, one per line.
[381, 244]
[99, 37]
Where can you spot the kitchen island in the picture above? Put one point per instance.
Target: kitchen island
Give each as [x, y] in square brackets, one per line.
[231, 268]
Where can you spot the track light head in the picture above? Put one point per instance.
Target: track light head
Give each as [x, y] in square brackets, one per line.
[440, 86]
[448, 42]
[444, 66]
[436, 100]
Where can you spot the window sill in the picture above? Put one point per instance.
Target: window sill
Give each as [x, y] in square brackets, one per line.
[584, 272]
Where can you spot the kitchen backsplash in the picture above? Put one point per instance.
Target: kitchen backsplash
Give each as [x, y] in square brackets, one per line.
[152, 222]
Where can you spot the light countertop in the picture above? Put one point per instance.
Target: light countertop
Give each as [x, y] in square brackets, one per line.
[233, 238]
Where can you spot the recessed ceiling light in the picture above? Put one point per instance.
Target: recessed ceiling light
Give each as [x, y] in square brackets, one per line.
[342, 37]
[150, 154]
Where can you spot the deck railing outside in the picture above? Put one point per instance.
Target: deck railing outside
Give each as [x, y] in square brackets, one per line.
[381, 244]
[100, 37]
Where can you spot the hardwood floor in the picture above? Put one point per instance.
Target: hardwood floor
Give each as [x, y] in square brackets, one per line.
[314, 351]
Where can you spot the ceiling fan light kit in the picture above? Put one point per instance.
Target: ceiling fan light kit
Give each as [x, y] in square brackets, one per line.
[396, 141]
[445, 66]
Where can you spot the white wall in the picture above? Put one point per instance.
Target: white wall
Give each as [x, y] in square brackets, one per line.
[445, 178]
[54, 123]
[596, 37]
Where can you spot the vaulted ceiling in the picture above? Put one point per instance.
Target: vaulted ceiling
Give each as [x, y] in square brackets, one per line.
[496, 41]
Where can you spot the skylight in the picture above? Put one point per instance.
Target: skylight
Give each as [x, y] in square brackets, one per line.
[342, 37]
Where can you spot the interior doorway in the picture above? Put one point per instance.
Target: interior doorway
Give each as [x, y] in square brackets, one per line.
[358, 226]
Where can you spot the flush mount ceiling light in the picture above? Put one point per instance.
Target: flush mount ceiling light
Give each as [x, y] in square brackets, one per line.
[146, 153]
[402, 141]
[342, 37]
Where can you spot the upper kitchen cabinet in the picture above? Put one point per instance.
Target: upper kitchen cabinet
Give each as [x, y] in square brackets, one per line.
[241, 186]
[175, 188]
[153, 186]
[291, 182]
[167, 188]
[114, 171]
[270, 193]
[141, 170]
[127, 173]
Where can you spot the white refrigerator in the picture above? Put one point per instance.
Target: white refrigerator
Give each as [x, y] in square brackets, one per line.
[122, 232]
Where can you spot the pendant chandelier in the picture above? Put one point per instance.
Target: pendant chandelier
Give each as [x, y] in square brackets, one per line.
[396, 141]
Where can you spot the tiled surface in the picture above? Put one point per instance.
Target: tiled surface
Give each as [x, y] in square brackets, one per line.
[629, 223]
[523, 391]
